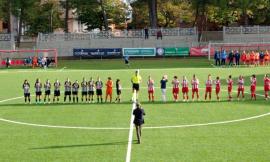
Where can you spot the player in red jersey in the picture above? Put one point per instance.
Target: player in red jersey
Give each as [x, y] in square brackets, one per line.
[252, 58]
[243, 57]
[241, 88]
[195, 87]
[217, 83]
[253, 84]
[230, 85]
[175, 91]
[185, 88]
[266, 86]
[208, 85]
[151, 90]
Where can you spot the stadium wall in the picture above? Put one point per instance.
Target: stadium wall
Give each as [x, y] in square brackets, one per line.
[65, 43]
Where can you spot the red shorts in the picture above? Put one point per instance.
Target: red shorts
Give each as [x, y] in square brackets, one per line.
[252, 88]
[229, 89]
[241, 89]
[185, 90]
[150, 91]
[109, 92]
[195, 90]
[208, 89]
[266, 88]
[175, 90]
[217, 90]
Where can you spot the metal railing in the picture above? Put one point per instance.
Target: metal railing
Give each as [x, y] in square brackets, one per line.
[116, 34]
[247, 30]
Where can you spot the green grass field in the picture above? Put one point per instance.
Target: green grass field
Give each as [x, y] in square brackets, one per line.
[243, 135]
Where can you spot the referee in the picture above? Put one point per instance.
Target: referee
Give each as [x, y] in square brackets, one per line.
[136, 80]
[138, 120]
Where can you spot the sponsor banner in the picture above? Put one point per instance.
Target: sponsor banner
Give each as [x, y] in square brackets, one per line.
[177, 51]
[97, 52]
[201, 51]
[139, 52]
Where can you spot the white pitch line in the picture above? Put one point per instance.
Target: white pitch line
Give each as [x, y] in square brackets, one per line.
[149, 127]
[130, 135]
[82, 70]
[11, 99]
[62, 127]
[207, 124]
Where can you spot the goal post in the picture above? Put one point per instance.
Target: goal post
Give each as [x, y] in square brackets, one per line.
[25, 57]
[248, 46]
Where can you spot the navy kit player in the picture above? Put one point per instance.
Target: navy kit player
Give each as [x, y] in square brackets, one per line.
[99, 86]
[75, 89]
[47, 87]
[118, 91]
[91, 90]
[26, 90]
[84, 89]
[38, 86]
[67, 90]
[57, 86]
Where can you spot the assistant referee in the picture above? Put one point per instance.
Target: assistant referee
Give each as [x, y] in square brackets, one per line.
[136, 80]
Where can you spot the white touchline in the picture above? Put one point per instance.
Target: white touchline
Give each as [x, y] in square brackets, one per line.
[130, 135]
[82, 70]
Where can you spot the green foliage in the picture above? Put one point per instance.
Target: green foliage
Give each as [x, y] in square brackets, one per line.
[90, 12]
[46, 20]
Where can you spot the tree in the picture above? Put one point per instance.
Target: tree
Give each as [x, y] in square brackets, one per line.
[172, 13]
[95, 14]
[46, 20]
[23, 10]
[153, 16]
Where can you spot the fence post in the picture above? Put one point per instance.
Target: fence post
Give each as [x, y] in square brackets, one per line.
[224, 33]
[209, 50]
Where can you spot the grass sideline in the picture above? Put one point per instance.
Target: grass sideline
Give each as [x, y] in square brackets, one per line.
[240, 141]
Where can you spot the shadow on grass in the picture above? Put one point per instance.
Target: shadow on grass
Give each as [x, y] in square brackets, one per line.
[80, 145]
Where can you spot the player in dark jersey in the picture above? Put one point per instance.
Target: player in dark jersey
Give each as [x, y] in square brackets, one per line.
[47, 87]
[138, 120]
[67, 90]
[118, 91]
[99, 86]
[57, 86]
[84, 86]
[26, 90]
[38, 86]
[75, 89]
[91, 90]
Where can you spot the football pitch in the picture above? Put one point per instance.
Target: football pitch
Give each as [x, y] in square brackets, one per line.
[214, 130]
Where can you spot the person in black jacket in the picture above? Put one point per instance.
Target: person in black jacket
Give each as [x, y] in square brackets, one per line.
[217, 58]
[231, 56]
[237, 58]
[138, 113]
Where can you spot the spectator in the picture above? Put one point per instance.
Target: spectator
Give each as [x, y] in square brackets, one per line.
[237, 58]
[159, 34]
[223, 57]
[231, 56]
[8, 62]
[217, 58]
[146, 33]
[126, 58]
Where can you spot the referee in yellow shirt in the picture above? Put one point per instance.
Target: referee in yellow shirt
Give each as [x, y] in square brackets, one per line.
[136, 80]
